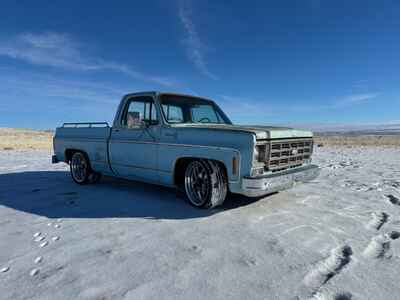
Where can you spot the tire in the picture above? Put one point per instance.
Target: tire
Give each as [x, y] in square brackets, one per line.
[94, 177]
[80, 168]
[205, 184]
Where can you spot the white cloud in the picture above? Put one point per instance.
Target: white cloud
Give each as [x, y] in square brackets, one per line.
[28, 86]
[246, 106]
[357, 98]
[194, 46]
[61, 51]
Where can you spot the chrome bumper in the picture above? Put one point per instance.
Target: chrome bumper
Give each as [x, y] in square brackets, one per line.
[271, 183]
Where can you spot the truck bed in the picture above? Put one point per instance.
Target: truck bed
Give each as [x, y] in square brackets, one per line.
[89, 137]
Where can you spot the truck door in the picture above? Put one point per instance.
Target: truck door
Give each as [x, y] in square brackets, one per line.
[133, 142]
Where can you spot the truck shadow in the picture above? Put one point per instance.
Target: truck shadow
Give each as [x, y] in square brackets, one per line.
[53, 194]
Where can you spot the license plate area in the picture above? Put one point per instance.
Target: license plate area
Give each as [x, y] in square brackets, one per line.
[283, 180]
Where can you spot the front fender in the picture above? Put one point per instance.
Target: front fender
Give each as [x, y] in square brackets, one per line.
[169, 156]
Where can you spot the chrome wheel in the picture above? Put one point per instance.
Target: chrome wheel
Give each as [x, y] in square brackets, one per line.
[197, 183]
[79, 168]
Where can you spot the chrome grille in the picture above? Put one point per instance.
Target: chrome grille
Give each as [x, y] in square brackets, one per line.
[286, 154]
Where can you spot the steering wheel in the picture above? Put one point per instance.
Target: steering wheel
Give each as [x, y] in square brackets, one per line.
[205, 119]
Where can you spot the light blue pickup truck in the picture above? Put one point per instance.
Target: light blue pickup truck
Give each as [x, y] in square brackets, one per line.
[186, 142]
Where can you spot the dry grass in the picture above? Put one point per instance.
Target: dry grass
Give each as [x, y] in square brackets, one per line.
[358, 140]
[24, 139]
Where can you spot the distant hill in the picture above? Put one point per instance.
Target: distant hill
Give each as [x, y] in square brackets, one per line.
[353, 129]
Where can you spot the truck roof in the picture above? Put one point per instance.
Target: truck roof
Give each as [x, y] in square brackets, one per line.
[168, 93]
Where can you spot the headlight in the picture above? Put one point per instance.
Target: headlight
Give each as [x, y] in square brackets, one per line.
[259, 154]
[256, 154]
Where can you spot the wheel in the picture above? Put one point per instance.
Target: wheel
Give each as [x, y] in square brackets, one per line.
[205, 184]
[94, 177]
[80, 168]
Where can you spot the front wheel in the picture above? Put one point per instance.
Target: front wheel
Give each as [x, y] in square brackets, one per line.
[205, 183]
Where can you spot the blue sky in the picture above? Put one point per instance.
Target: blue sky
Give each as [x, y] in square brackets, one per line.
[309, 61]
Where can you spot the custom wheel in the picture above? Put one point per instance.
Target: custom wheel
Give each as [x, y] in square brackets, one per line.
[80, 168]
[205, 183]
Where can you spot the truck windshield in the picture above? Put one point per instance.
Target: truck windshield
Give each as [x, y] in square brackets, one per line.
[186, 109]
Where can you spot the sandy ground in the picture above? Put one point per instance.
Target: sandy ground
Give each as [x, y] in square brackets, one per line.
[334, 238]
[25, 139]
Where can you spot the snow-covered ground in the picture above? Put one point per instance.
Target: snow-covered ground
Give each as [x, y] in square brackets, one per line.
[334, 238]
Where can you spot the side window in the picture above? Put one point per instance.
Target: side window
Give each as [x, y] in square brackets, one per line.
[173, 113]
[140, 109]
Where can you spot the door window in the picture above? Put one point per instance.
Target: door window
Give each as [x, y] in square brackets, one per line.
[173, 113]
[139, 110]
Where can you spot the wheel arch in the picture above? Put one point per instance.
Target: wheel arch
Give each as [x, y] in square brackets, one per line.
[182, 163]
[71, 151]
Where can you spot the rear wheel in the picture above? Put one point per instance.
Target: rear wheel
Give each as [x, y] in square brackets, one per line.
[81, 172]
[205, 183]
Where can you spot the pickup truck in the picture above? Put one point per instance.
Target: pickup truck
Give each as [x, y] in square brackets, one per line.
[186, 142]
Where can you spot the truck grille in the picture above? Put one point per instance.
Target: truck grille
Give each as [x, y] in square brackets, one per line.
[286, 154]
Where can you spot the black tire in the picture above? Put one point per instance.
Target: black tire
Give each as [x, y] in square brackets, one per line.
[205, 184]
[94, 177]
[80, 168]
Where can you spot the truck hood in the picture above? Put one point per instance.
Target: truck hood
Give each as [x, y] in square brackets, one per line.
[261, 132]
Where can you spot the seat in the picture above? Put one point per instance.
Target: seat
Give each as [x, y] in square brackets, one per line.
[133, 119]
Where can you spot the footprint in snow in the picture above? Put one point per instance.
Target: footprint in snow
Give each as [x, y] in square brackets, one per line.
[378, 220]
[394, 235]
[38, 259]
[379, 246]
[44, 244]
[34, 272]
[329, 267]
[394, 200]
[336, 296]
[49, 224]
[248, 261]
[5, 269]
[55, 238]
[37, 234]
[39, 239]
[57, 226]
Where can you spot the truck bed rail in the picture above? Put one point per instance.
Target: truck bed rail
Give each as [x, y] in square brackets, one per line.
[86, 124]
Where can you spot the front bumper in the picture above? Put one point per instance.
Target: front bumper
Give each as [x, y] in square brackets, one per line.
[271, 183]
